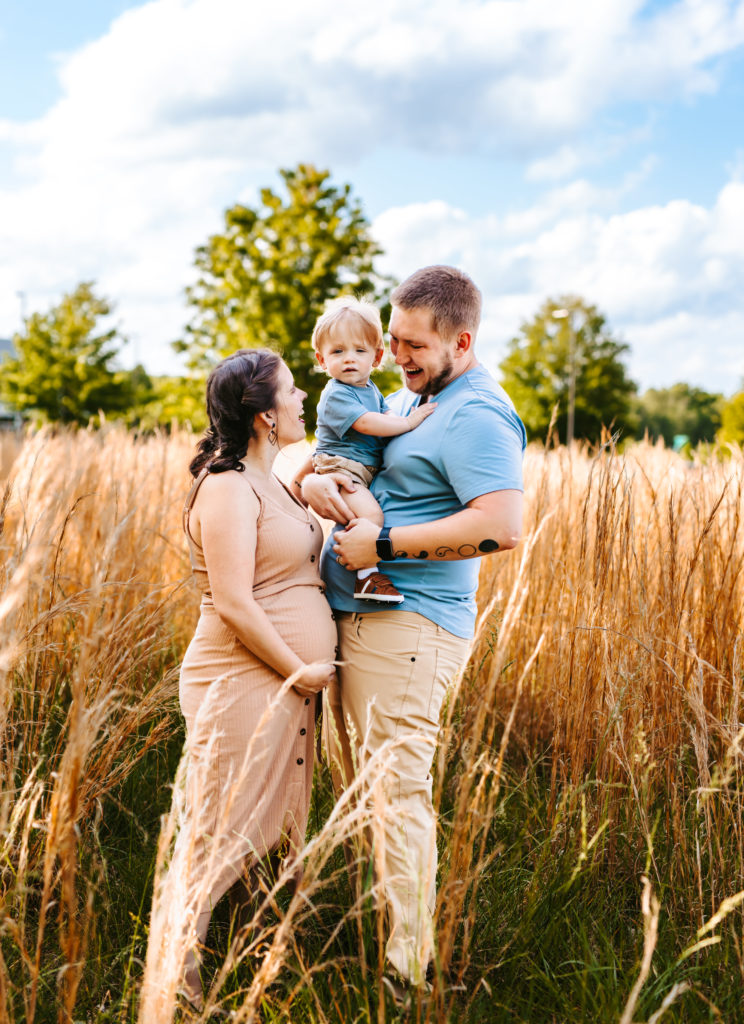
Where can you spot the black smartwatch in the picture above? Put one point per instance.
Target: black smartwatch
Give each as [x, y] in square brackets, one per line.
[384, 545]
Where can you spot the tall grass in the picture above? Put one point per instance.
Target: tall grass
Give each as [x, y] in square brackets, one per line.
[93, 616]
[636, 588]
[588, 779]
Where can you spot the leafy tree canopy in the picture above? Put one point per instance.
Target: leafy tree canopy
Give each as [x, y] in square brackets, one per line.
[172, 400]
[264, 281]
[679, 410]
[62, 370]
[568, 337]
[732, 419]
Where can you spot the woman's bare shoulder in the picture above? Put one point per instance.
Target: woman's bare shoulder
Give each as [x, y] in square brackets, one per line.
[227, 493]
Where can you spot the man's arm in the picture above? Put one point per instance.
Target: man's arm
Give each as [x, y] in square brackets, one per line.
[488, 523]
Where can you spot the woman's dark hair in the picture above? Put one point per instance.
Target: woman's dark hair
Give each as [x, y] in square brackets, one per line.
[238, 388]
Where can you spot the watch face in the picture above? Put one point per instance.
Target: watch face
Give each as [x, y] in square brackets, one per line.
[385, 549]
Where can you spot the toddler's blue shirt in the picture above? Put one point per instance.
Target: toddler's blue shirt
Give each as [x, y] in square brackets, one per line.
[341, 405]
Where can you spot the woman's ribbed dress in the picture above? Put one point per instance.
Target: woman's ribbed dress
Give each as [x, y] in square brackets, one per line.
[270, 753]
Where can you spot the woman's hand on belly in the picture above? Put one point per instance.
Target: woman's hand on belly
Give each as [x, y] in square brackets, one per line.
[311, 679]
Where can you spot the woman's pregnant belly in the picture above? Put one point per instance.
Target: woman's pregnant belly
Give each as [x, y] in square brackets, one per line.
[301, 616]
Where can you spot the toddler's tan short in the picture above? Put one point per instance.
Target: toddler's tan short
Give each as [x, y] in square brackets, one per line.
[359, 473]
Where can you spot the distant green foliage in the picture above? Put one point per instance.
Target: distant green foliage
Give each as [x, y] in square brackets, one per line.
[265, 279]
[537, 369]
[62, 371]
[732, 419]
[681, 409]
[172, 400]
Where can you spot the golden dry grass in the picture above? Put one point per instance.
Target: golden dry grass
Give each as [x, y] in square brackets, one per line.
[93, 602]
[634, 586]
[610, 650]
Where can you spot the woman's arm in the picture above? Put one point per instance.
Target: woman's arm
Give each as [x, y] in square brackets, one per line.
[296, 485]
[323, 492]
[226, 517]
[491, 522]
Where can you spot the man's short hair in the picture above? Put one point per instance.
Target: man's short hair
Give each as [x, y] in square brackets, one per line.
[346, 315]
[450, 296]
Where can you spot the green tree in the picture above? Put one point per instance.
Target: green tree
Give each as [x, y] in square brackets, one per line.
[568, 350]
[680, 409]
[265, 279]
[172, 400]
[732, 419]
[62, 370]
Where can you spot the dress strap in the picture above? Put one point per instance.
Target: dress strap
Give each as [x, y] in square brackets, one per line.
[191, 498]
[294, 497]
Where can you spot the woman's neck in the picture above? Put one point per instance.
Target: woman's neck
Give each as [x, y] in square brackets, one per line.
[260, 457]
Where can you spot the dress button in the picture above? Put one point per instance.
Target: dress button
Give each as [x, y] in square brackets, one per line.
[307, 700]
[312, 558]
[300, 760]
[302, 732]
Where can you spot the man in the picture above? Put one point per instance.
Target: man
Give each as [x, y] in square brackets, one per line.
[450, 491]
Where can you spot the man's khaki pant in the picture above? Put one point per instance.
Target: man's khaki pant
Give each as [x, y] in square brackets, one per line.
[398, 666]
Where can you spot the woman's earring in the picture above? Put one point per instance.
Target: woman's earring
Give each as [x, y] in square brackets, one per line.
[272, 434]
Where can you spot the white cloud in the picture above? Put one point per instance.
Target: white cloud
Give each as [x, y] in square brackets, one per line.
[669, 278]
[703, 349]
[560, 164]
[185, 105]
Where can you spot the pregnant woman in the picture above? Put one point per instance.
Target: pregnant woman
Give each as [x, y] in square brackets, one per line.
[264, 617]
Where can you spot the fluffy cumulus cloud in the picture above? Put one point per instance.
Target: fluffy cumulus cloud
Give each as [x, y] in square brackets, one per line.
[665, 276]
[184, 105]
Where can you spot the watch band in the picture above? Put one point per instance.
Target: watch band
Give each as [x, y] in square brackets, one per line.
[384, 545]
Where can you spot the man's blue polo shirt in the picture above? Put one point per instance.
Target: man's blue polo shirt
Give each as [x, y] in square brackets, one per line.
[471, 445]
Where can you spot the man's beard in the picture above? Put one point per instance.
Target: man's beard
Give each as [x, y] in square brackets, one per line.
[442, 379]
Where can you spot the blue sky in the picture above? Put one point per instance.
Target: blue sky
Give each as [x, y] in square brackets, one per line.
[546, 148]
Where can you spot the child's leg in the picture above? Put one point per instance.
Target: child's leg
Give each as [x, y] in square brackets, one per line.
[372, 585]
[364, 505]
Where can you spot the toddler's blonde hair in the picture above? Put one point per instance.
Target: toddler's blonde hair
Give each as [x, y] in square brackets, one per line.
[346, 315]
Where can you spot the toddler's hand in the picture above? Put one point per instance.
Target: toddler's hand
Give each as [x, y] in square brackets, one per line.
[419, 414]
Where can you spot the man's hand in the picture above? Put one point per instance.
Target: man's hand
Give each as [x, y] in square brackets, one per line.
[355, 546]
[324, 494]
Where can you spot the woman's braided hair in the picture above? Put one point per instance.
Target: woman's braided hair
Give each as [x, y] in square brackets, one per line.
[238, 388]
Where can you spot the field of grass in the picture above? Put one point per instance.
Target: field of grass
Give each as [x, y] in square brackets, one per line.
[589, 778]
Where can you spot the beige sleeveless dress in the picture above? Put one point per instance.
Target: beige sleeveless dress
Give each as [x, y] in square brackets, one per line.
[258, 770]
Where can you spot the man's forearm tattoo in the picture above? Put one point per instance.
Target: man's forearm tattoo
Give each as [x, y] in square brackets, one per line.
[464, 551]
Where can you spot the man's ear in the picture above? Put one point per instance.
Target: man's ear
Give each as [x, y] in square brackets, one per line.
[464, 342]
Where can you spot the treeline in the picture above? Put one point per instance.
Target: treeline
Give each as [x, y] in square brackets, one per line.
[263, 281]
[565, 372]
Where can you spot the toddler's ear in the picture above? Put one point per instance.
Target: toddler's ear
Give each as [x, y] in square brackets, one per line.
[321, 360]
[378, 357]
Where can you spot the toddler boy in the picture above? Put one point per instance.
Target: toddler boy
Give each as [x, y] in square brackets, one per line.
[353, 422]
